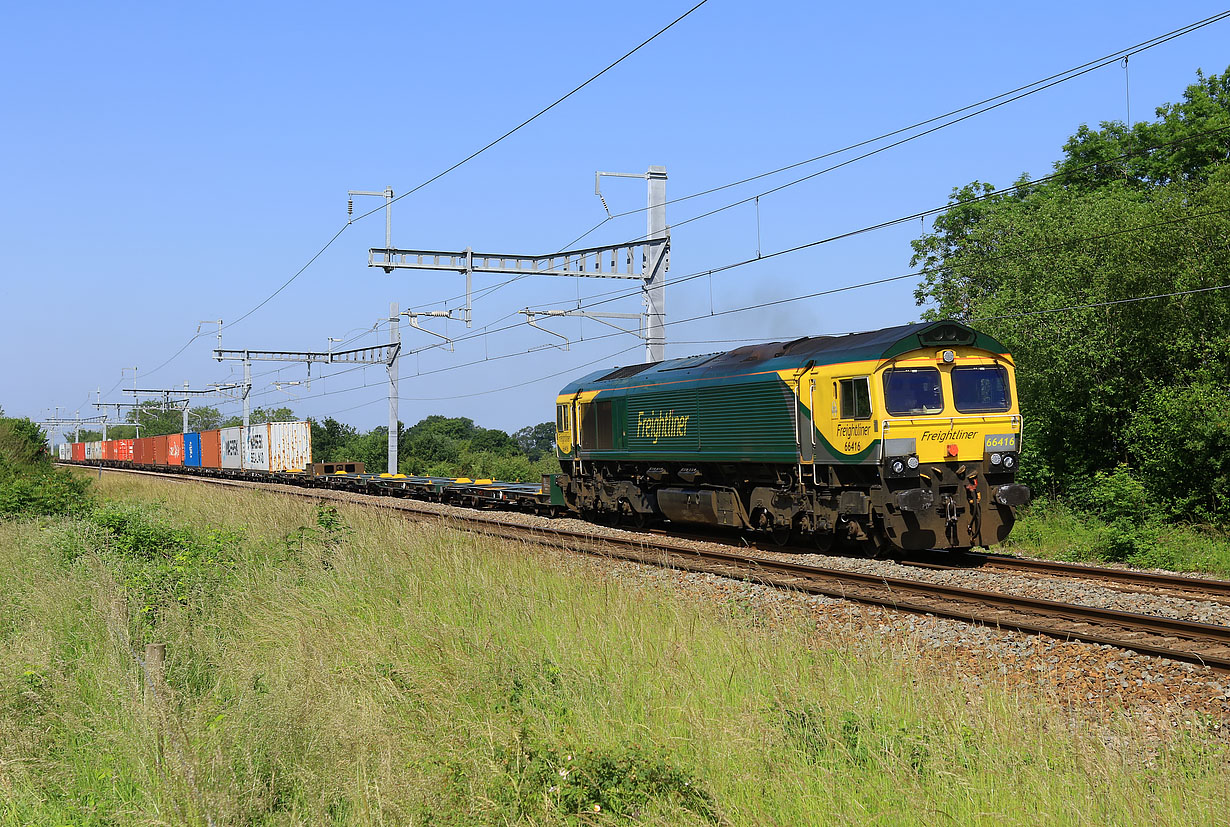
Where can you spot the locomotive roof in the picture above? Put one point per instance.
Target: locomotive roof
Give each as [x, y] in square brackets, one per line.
[820, 350]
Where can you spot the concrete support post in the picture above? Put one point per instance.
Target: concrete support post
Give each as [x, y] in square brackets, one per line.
[395, 341]
[247, 388]
[655, 268]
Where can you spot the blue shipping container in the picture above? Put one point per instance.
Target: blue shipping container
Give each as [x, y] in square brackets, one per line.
[192, 450]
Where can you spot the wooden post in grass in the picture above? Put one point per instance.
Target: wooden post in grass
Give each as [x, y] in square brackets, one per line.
[155, 657]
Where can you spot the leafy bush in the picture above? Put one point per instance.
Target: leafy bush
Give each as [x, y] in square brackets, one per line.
[43, 492]
[1179, 437]
[22, 443]
[620, 781]
[29, 485]
[160, 564]
[1054, 529]
[1118, 497]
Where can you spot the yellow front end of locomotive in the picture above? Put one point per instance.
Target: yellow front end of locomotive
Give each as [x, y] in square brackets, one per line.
[935, 405]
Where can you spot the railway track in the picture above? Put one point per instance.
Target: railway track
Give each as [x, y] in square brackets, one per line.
[1181, 640]
[1145, 582]
[1127, 580]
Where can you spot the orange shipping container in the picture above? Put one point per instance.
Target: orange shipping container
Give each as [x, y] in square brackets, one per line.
[211, 449]
[160, 450]
[175, 449]
[79, 451]
[123, 450]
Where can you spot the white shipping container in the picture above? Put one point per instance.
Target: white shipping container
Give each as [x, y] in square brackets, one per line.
[231, 446]
[93, 450]
[290, 445]
[256, 448]
[66, 450]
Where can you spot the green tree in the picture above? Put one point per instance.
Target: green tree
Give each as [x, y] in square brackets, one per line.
[1179, 437]
[1054, 269]
[29, 485]
[536, 440]
[22, 443]
[329, 436]
[258, 416]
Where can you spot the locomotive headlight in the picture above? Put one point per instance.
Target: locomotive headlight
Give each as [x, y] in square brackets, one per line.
[912, 461]
[897, 466]
[1009, 461]
[949, 357]
[996, 459]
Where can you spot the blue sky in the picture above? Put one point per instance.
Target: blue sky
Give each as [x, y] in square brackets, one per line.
[166, 164]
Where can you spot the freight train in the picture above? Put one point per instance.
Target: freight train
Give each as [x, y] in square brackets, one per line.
[906, 438]
[281, 452]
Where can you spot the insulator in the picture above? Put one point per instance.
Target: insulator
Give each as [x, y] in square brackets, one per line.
[349, 206]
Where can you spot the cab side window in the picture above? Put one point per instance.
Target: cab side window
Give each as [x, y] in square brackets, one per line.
[855, 397]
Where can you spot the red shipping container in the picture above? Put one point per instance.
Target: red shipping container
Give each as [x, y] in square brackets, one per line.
[79, 451]
[175, 449]
[143, 449]
[211, 449]
[108, 449]
[123, 451]
[160, 450]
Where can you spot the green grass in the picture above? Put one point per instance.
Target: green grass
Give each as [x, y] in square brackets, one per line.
[349, 667]
[1053, 530]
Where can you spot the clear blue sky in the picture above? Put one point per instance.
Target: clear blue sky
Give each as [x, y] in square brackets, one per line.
[165, 164]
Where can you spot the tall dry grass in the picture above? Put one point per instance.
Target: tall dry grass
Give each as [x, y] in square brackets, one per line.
[352, 667]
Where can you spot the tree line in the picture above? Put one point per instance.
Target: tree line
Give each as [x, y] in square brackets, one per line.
[437, 445]
[1106, 281]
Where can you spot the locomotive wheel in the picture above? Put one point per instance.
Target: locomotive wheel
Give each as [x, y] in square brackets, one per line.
[629, 516]
[609, 519]
[876, 545]
[824, 541]
[781, 533]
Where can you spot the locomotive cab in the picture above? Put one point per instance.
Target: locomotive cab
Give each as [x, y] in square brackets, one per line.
[950, 437]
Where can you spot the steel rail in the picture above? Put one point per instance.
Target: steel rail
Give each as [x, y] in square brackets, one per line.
[1143, 578]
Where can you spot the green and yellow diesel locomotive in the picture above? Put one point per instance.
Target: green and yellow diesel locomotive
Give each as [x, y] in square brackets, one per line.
[903, 438]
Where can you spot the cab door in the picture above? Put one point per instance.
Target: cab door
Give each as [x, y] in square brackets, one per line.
[563, 427]
[851, 431]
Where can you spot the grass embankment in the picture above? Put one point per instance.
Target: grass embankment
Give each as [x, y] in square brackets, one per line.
[350, 667]
[1055, 531]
